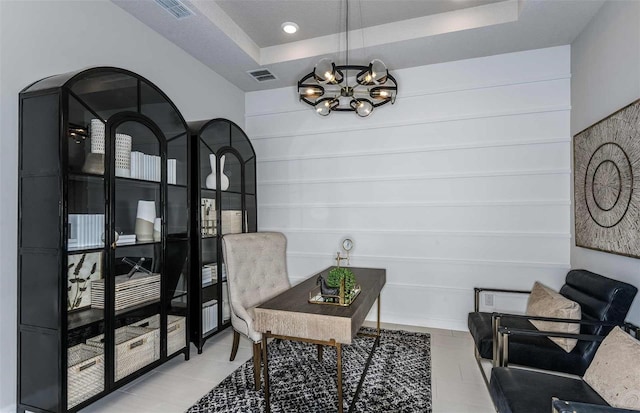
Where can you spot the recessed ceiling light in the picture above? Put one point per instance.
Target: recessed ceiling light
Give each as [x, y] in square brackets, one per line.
[289, 27]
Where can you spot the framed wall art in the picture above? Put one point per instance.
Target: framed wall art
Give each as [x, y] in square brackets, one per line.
[81, 270]
[607, 183]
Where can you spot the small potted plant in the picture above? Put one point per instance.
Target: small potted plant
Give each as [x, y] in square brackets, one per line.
[342, 278]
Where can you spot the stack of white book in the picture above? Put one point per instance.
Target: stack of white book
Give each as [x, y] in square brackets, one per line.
[126, 239]
[207, 276]
[85, 230]
[209, 316]
[147, 167]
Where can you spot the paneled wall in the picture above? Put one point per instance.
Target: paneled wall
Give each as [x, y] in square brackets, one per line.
[605, 61]
[463, 182]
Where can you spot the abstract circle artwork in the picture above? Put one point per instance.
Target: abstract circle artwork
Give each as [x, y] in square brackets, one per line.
[607, 183]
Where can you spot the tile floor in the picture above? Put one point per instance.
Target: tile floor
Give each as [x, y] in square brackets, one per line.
[457, 384]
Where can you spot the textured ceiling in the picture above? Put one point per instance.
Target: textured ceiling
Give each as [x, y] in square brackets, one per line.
[235, 36]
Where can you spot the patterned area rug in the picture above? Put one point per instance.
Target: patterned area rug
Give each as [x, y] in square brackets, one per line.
[398, 379]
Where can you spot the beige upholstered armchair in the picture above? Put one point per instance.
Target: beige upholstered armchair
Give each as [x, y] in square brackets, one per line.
[256, 272]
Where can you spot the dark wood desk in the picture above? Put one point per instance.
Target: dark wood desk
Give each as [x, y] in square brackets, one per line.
[290, 316]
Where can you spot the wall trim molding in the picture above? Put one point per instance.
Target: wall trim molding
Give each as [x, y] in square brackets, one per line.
[463, 204]
[368, 126]
[402, 151]
[424, 232]
[464, 175]
[443, 90]
[531, 264]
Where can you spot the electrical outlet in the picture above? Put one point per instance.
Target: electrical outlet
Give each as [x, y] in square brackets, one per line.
[488, 300]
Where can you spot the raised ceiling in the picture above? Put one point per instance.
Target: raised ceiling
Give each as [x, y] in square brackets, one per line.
[233, 37]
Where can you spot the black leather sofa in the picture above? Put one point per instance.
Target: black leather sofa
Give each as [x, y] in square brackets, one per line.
[516, 390]
[601, 300]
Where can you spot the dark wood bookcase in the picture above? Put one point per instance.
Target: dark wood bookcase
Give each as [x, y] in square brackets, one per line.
[221, 205]
[85, 327]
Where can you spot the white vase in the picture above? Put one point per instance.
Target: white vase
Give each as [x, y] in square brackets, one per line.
[157, 229]
[145, 218]
[211, 178]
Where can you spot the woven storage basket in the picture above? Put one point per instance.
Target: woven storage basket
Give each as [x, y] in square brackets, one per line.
[132, 291]
[176, 336]
[135, 348]
[85, 373]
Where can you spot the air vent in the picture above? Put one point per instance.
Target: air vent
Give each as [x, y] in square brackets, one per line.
[175, 8]
[262, 75]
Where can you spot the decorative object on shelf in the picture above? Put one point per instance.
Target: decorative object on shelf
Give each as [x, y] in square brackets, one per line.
[124, 239]
[347, 246]
[145, 218]
[97, 128]
[76, 150]
[231, 222]
[211, 178]
[208, 216]
[116, 237]
[339, 288]
[130, 291]
[94, 162]
[123, 155]
[136, 267]
[81, 270]
[157, 229]
[327, 87]
[607, 183]
[78, 133]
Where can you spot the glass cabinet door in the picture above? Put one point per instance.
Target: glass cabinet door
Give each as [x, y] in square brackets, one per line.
[85, 259]
[138, 213]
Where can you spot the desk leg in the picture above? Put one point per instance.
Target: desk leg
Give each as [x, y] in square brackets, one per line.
[265, 358]
[339, 360]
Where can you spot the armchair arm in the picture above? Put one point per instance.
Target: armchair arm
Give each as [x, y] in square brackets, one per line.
[499, 340]
[501, 344]
[478, 290]
[564, 406]
[503, 316]
[502, 331]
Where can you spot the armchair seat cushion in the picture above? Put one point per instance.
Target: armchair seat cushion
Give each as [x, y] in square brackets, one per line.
[480, 329]
[516, 390]
[527, 350]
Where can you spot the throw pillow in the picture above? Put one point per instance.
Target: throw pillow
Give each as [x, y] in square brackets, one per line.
[614, 372]
[544, 302]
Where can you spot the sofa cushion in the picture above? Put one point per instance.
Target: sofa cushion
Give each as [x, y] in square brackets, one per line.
[516, 390]
[615, 370]
[544, 302]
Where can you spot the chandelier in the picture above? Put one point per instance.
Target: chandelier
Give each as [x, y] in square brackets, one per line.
[329, 88]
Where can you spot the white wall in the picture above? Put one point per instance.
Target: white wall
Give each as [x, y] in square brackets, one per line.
[43, 38]
[464, 182]
[605, 67]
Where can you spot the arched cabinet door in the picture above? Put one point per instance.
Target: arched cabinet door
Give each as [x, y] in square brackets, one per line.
[224, 185]
[105, 160]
